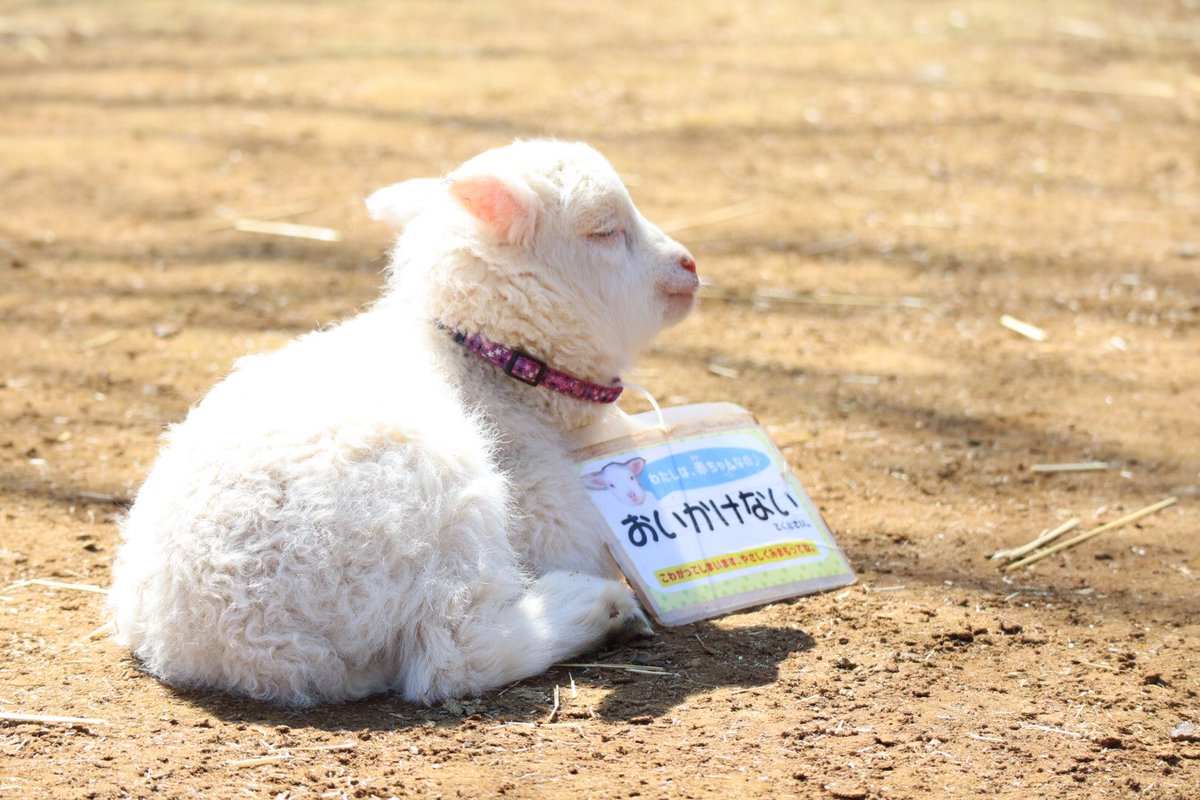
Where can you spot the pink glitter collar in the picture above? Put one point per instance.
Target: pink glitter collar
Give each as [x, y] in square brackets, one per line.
[523, 367]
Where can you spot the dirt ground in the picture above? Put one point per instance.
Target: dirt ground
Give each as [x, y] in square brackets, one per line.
[867, 186]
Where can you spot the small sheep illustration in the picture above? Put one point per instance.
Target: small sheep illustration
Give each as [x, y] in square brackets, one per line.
[620, 478]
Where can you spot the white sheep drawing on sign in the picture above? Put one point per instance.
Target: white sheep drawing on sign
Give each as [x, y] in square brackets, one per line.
[620, 478]
[388, 504]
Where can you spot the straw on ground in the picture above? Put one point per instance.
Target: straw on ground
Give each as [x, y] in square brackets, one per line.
[1040, 541]
[1083, 537]
[642, 669]
[290, 229]
[50, 719]
[1026, 329]
[1078, 466]
[79, 587]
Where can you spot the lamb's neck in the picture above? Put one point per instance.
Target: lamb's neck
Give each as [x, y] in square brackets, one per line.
[547, 334]
[520, 313]
[513, 404]
[564, 345]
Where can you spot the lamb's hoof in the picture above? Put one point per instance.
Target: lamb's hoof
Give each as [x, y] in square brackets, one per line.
[631, 625]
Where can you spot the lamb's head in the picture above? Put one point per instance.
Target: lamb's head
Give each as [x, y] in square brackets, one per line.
[542, 234]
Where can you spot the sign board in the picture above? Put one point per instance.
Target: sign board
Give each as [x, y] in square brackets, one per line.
[704, 515]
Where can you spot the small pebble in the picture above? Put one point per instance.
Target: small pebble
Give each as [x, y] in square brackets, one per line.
[1185, 732]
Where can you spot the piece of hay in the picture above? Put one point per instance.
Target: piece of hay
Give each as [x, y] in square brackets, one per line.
[101, 340]
[1079, 466]
[50, 719]
[1040, 541]
[554, 711]
[722, 371]
[638, 668]
[1083, 537]
[104, 497]
[79, 587]
[289, 229]
[1026, 329]
[103, 629]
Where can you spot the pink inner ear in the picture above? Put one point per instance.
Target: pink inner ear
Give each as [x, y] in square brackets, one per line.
[594, 480]
[503, 207]
[636, 465]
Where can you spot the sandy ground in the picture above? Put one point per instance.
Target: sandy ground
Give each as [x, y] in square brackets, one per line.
[867, 186]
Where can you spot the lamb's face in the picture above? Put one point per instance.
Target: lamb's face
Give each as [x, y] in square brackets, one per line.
[595, 244]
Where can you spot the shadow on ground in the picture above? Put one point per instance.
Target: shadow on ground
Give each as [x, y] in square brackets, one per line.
[697, 658]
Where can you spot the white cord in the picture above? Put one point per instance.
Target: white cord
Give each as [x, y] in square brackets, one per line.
[637, 387]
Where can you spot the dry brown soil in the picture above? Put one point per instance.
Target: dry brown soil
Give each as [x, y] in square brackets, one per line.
[889, 178]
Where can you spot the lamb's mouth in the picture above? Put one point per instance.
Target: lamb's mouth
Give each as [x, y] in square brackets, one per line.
[678, 289]
[678, 303]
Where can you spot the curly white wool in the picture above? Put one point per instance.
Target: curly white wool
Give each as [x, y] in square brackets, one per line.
[373, 509]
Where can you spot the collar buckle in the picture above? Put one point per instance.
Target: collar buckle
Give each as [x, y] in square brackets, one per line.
[525, 368]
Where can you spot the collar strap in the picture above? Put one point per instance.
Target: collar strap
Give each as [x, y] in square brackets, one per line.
[521, 366]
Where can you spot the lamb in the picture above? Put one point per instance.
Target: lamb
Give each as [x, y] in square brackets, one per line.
[621, 479]
[376, 507]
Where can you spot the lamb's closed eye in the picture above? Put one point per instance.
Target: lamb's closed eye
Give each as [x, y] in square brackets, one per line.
[607, 234]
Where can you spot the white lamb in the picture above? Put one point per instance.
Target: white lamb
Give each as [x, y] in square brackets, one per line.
[375, 507]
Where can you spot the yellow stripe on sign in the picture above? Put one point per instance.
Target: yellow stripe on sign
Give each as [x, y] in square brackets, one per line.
[731, 562]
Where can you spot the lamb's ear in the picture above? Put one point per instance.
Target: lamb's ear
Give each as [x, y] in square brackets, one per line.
[399, 203]
[636, 465]
[506, 206]
[594, 480]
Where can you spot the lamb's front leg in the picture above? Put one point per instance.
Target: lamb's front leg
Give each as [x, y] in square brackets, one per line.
[560, 616]
[559, 527]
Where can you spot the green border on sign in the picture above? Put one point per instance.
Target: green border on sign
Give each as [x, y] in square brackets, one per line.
[831, 564]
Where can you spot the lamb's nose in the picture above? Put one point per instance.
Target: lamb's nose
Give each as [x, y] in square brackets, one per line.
[687, 263]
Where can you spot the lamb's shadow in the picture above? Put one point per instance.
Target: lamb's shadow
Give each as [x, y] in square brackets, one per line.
[693, 659]
[373, 714]
[697, 659]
